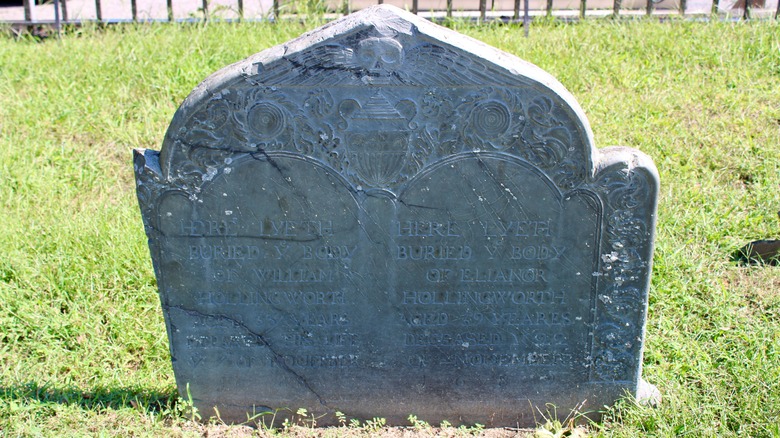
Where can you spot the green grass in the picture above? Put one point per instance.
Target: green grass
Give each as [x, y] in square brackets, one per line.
[83, 349]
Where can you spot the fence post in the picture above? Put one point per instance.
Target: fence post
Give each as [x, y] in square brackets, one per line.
[649, 7]
[170, 10]
[683, 5]
[517, 10]
[777, 12]
[57, 23]
[134, 9]
[29, 11]
[240, 10]
[716, 3]
[98, 11]
[549, 8]
[276, 10]
[414, 6]
[746, 11]
[449, 8]
[482, 9]
[616, 8]
[526, 18]
[583, 7]
[64, 5]
[205, 10]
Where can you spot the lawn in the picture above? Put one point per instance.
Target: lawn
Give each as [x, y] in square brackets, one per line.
[83, 348]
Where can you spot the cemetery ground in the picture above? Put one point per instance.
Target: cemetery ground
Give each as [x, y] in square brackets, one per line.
[83, 348]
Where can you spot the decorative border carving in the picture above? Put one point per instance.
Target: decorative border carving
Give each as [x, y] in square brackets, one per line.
[258, 120]
[623, 274]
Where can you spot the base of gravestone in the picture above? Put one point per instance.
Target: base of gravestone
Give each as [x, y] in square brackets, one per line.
[647, 394]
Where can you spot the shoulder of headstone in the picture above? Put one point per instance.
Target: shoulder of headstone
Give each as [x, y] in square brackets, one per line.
[624, 156]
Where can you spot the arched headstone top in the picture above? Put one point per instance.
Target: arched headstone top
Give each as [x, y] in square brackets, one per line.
[430, 91]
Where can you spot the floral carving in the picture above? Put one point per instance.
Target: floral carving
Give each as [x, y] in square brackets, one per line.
[314, 136]
[622, 304]
[547, 139]
[623, 273]
[319, 102]
[439, 136]
[213, 126]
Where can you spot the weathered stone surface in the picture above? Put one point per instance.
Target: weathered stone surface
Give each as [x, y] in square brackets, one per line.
[383, 218]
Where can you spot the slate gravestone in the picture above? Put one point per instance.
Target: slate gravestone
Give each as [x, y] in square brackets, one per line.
[384, 217]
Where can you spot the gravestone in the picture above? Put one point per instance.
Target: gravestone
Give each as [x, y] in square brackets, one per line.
[384, 217]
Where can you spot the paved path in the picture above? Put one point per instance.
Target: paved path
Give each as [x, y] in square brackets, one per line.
[257, 9]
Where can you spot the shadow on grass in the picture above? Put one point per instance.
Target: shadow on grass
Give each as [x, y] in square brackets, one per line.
[95, 399]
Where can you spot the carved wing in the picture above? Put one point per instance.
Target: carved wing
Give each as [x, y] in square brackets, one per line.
[433, 65]
[306, 68]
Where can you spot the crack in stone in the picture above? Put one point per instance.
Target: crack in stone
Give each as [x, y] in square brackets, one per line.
[426, 207]
[295, 188]
[492, 176]
[277, 356]
[268, 159]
